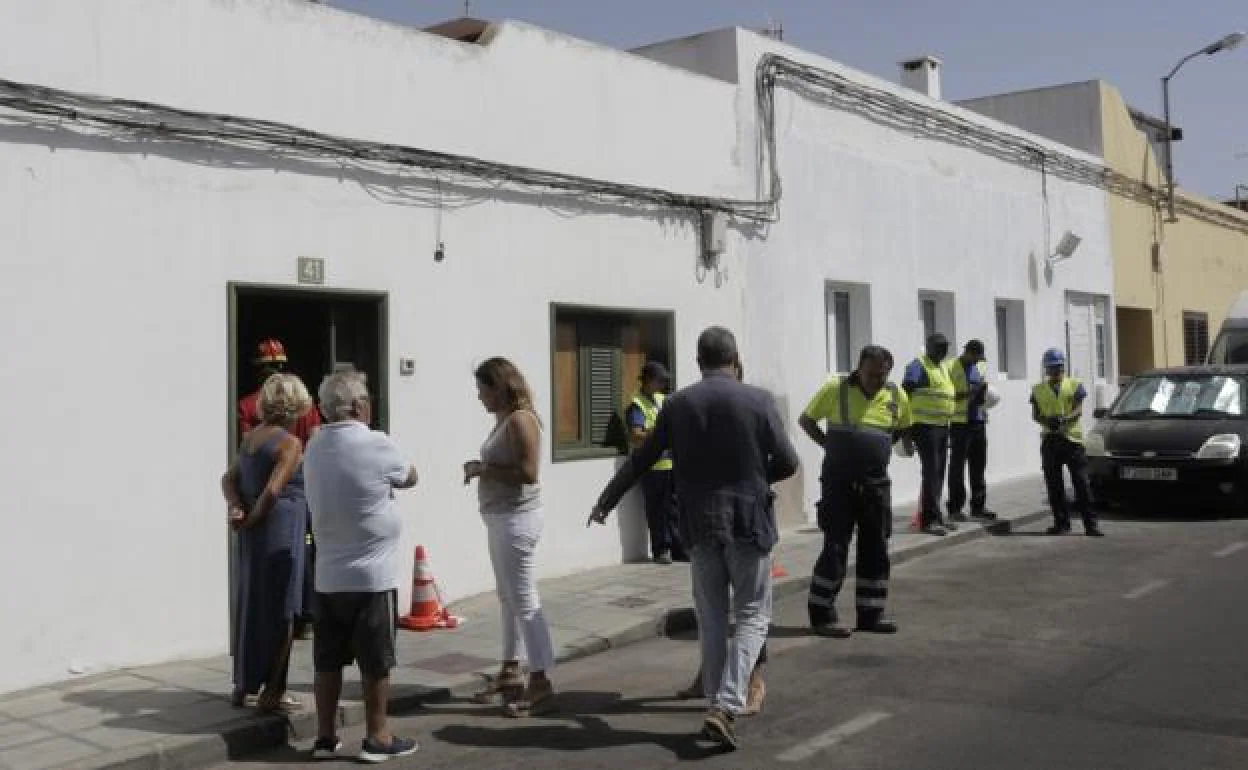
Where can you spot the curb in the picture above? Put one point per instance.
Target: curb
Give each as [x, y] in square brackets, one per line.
[251, 736]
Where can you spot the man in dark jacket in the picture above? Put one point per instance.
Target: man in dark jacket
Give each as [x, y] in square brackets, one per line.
[728, 447]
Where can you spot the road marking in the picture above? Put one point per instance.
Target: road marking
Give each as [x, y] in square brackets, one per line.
[1146, 589]
[808, 749]
[1230, 549]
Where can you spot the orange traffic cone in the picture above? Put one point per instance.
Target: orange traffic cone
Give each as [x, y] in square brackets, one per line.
[427, 611]
[778, 570]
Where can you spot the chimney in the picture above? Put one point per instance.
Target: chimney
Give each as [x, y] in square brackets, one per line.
[923, 75]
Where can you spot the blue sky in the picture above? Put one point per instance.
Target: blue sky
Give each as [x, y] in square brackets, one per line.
[988, 46]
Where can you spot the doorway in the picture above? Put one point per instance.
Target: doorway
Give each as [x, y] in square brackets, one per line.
[321, 332]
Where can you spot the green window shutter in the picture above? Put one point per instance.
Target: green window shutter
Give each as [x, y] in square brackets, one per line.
[603, 394]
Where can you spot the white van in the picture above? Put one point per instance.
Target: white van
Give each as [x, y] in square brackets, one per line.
[1231, 344]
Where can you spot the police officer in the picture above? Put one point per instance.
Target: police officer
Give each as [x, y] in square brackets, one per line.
[968, 433]
[656, 485]
[1057, 405]
[930, 388]
[865, 416]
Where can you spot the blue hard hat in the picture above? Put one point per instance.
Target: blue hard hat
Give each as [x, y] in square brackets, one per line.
[1053, 357]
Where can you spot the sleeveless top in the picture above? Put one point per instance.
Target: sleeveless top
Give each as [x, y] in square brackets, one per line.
[498, 497]
[255, 468]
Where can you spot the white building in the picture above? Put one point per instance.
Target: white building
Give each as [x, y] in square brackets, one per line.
[138, 267]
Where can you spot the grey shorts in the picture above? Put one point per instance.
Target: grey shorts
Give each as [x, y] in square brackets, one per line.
[351, 627]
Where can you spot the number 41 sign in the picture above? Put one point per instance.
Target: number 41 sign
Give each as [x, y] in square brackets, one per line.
[312, 270]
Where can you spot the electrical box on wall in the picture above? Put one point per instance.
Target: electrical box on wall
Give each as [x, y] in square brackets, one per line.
[714, 235]
[407, 367]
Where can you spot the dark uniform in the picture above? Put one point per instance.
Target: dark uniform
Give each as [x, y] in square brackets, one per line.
[856, 492]
[1061, 447]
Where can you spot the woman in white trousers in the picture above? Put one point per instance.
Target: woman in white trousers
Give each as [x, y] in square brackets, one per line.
[511, 506]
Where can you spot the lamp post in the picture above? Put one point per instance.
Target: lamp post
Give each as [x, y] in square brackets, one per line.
[1225, 44]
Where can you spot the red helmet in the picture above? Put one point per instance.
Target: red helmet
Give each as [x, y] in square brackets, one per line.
[270, 351]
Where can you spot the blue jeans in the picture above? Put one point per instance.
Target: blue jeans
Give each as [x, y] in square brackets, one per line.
[730, 581]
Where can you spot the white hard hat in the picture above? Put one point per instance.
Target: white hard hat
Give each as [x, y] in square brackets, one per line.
[991, 397]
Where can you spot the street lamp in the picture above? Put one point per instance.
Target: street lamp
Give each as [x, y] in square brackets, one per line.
[1225, 44]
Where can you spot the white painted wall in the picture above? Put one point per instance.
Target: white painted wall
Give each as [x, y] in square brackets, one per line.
[865, 204]
[114, 262]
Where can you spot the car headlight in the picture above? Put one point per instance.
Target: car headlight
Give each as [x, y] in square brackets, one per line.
[1095, 445]
[1224, 446]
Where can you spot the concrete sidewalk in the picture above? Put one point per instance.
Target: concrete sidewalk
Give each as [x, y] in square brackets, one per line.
[178, 715]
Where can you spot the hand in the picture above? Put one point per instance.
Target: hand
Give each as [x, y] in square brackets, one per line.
[473, 470]
[597, 516]
[236, 516]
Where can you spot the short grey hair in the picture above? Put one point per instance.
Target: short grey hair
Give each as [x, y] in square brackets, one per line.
[340, 392]
[283, 399]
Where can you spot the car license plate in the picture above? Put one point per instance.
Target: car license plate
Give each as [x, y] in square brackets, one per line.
[1150, 474]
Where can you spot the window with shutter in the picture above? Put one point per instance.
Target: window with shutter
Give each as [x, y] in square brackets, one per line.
[597, 356]
[1195, 338]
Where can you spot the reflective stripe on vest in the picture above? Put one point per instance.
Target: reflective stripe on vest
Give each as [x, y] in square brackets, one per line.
[650, 412]
[1059, 404]
[933, 405]
[962, 390]
[869, 420]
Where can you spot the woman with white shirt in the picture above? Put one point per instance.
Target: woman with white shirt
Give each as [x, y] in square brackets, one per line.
[511, 506]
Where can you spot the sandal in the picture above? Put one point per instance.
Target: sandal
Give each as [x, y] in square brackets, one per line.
[509, 683]
[287, 704]
[532, 704]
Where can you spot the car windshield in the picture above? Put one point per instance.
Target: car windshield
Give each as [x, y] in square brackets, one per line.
[1195, 395]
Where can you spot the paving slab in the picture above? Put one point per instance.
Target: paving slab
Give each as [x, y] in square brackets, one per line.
[178, 715]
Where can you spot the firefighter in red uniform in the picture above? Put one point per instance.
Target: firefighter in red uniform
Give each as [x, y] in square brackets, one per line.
[271, 359]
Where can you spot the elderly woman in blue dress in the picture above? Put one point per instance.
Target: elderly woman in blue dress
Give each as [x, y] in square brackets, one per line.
[267, 507]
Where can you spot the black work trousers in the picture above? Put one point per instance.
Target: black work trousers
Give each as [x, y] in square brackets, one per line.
[932, 444]
[661, 514]
[968, 451]
[1058, 453]
[846, 505]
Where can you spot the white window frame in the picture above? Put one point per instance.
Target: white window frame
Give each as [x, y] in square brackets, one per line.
[1011, 354]
[944, 303]
[839, 341]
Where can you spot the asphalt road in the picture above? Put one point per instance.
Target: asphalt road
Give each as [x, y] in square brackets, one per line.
[1015, 652]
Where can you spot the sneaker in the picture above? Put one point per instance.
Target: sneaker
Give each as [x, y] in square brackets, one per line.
[720, 727]
[1058, 529]
[327, 748]
[985, 515]
[934, 528]
[949, 525]
[663, 557]
[881, 626]
[374, 753]
[831, 629]
[1093, 532]
[958, 516]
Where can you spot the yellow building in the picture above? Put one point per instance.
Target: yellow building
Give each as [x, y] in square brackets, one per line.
[1173, 280]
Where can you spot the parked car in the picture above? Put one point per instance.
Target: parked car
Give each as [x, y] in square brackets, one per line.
[1176, 435]
[1231, 344]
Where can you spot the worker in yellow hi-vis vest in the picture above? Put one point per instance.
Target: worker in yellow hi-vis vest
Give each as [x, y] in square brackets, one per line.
[1057, 406]
[656, 485]
[931, 392]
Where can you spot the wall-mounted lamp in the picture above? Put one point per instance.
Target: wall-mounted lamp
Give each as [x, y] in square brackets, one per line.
[1066, 248]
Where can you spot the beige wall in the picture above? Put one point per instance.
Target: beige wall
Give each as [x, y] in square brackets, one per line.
[1203, 266]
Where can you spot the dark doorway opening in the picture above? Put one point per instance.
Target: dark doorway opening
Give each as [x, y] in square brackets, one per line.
[321, 331]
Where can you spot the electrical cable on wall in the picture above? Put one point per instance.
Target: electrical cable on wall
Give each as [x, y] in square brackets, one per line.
[159, 122]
